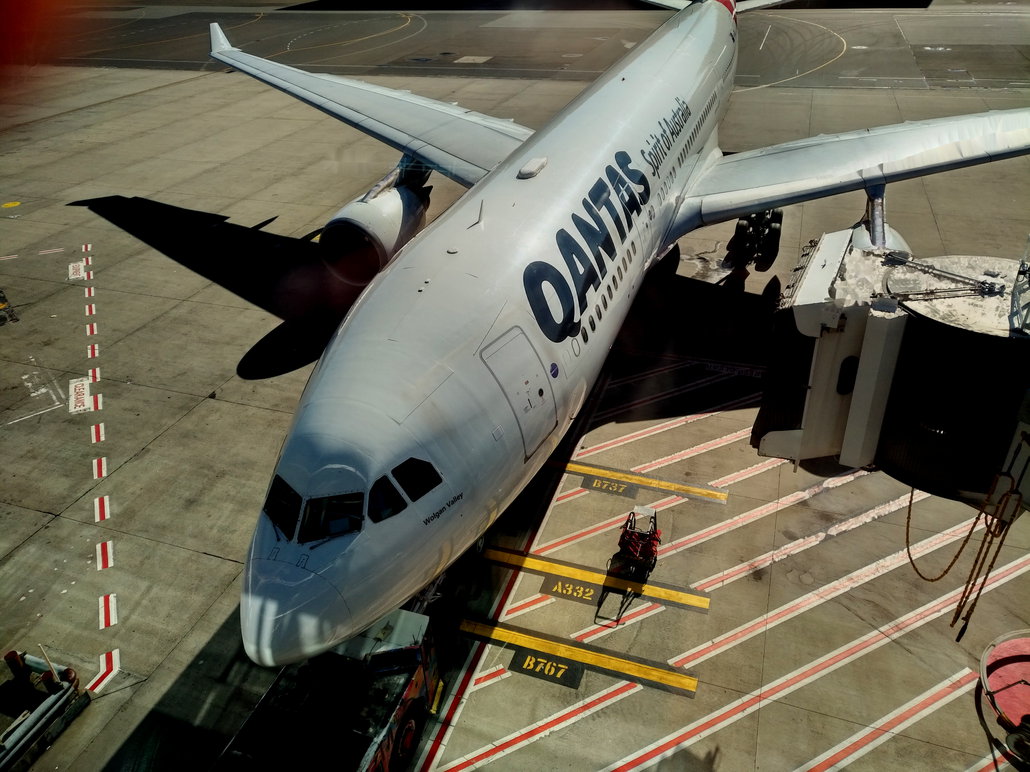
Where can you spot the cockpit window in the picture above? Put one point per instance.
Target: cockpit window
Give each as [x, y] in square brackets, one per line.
[331, 516]
[384, 501]
[416, 477]
[283, 506]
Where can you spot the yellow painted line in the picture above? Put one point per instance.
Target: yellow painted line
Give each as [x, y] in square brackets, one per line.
[10, 204]
[647, 482]
[634, 671]
[543, 566]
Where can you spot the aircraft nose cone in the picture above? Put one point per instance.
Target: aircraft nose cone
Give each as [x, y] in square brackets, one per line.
[288, 613]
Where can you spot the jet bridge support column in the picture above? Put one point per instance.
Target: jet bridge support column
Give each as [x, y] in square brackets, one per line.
[876, 215]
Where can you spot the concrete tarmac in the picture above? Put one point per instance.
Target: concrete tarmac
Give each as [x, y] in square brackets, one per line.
[188, 446]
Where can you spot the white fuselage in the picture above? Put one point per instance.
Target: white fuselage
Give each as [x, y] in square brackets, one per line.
[476, 348]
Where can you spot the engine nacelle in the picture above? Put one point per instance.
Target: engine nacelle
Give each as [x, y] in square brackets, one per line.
[362, 238]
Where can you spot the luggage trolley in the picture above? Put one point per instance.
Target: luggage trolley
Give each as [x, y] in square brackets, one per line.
[638, 546]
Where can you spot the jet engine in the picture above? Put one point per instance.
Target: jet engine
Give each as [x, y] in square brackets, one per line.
[362, 238]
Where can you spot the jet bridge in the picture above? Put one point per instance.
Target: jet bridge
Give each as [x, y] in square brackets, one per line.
[918, 367]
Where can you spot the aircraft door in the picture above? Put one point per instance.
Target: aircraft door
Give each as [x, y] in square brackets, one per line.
[520, 373]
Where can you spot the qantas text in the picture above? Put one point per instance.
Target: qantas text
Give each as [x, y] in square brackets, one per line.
[557, 304]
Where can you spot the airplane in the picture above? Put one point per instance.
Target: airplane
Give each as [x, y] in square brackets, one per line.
[475, 341]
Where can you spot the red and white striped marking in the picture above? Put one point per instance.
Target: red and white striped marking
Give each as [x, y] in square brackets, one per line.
[110, 665]
[97, 433]
[101, 508]
[87, 247]
[626, 407]
[806, 674]
[552, 723]
[860, 743]
[92, 351]
[722, 578]
[817, 597]
[88, 276]
[991, 763]
[99, 468]
[98, 402]
[87, 260]
[664, 427]
[91, 328]
[89, 292]
[492, 675]
[8, 257]
[94, 375]
[105, 555]
[91, 309]
[108, 605]
[799, 545]
[51, 251]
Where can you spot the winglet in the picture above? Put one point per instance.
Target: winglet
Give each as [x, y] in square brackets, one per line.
[219, 42]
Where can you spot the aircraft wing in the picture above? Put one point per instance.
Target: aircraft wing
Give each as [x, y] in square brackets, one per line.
[828, 164]
[460, 144]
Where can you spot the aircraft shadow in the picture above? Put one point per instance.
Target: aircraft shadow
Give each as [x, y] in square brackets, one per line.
[288, 277]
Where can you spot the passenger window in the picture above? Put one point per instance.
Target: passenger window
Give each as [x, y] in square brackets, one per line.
[416, 477]
[609, 295]
[593, 326]
[384, 501]
[586, 335]
[604, 301]
[620, 268]
[283, 506]
[615, 282]
[331, 516]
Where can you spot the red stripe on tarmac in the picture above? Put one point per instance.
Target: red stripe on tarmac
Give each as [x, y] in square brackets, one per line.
[101, 508]
[89, 292]
[544, 727]
[94, 375]
[755, 514]
[525, 605]
[108, 611]
[894, 722]
[458, 697]
[808, 673]
[91, 309]
[93, 351]
[98, 402]
[8, 257]
[91, 329]
[105, 555]
[589, 634]
[97, 433]
[490, 675]
[99, 468]
[628, 406]
[88, 276]
[110, 664]
[664, 427]
[819, 596]
[751, 471]
[87, 247]
[992, 763]
[87, 260]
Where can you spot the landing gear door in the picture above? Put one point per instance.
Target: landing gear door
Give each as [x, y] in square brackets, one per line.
[520, 373]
